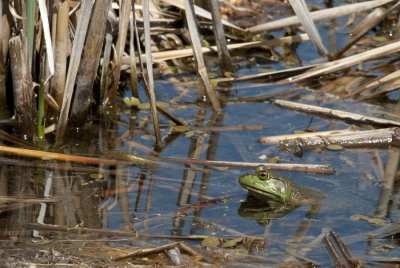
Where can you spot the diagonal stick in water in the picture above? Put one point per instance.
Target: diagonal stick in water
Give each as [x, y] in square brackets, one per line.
[301, 10]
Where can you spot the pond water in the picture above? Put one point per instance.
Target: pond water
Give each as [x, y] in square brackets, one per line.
[148, 199]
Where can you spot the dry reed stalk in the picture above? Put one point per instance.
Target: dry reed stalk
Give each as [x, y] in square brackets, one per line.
[336, 113]
[149, 69]
[61, 52]
[301, 10]
[347, 62]
[90, 62]
[325, 14]
[311, 168]
[77, 49]
[373, 18]
[225, 61]
[375, 83]
[391, 86]
[105, 70]
[383, 137]
[128, 159]
[390, 175]
[196, 45]
[279, 138]
[188, 52]
[201, 13]
[132, 57]
[124, 12]
[5, 33]
[22, 85]
[44, 17]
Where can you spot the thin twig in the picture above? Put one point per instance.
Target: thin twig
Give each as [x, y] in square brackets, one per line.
[321, 169]
[70, 158]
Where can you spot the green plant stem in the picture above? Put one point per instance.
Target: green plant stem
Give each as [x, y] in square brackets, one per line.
[30, 25]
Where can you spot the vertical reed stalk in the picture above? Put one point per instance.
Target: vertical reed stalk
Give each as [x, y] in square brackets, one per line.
[149, 68]
[30, 25]
[201, 68]
[90, 62]
[223, 53]
[61, 52]
[77, 49]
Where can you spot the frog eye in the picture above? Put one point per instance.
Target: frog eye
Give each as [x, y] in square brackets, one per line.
[264, 175]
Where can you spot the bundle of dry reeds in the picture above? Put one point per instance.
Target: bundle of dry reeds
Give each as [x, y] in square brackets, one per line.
[57, 55]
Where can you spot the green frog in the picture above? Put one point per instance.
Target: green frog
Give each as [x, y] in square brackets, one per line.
[279, 195]
[269, 186]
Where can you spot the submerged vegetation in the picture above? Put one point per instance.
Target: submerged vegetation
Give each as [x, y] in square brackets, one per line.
[106, 96]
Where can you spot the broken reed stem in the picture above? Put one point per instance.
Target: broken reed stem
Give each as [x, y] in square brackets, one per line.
[345, 138]
[224, 58]
[196, 45]
[89, 63]
[22, 85]
[77, 49]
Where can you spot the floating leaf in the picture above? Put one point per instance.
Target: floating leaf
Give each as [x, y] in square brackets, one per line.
[377, 221]
[162, 104]
[384, 248]
[96, 176]
[214, 82]
[229, 74]
[334, 147]
[357, 217]
[132, 101]
[231, 242]
[212, 75]
[180, 128]
[221, 168]
[273, 159]
[374, 220]
[211, 242]
[299, 132]
[189, 134]
[380, 38]
[144, 106]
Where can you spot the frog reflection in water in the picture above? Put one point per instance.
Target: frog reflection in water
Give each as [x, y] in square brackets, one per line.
[279, 195]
